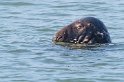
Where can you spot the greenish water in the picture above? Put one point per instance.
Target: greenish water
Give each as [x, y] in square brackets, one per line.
[27, 53]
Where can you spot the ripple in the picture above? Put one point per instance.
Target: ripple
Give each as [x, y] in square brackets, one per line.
[27, 53]
[15, 4]
[18, 51]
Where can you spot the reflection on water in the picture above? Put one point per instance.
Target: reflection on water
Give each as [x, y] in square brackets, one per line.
[28, 53]
[81, 46]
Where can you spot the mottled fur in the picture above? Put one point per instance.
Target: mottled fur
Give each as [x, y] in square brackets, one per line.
[87, 30]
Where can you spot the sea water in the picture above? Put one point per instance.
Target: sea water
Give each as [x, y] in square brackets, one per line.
[27, 53]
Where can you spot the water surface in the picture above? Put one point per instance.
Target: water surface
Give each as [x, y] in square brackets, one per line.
[27, 53]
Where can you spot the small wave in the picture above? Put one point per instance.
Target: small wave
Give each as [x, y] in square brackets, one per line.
[93, 47]
[16, 4]
[19, 51]
[79, 46]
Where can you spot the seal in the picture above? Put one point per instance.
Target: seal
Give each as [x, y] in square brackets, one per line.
[89, 30]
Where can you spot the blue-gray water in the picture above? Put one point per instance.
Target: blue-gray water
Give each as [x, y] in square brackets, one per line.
[27, 53]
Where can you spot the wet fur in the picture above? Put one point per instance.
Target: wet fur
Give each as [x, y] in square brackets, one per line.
[86, 30]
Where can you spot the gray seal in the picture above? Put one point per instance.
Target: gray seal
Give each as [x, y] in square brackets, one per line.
[86, 30]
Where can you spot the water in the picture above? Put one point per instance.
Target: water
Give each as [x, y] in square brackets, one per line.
[27, 53]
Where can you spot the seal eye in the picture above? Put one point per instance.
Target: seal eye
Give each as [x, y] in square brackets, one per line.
[78, 26]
